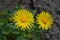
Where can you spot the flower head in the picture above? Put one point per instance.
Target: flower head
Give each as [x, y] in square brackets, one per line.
[45, 20]
[23, 19]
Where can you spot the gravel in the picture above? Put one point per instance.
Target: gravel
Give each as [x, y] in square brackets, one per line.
[52, 6]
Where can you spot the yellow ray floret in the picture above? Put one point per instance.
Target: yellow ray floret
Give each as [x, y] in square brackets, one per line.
[45, 20]
[23, 19]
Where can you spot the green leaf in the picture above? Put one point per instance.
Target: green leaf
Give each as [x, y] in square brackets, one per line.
[16, 32]
[33, 12]
[18, 38]
[17, 7]
[2, 37]
[36, 37]
[5, 31]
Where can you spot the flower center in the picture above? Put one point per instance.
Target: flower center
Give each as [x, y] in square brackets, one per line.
[23, 19]
[44, 20]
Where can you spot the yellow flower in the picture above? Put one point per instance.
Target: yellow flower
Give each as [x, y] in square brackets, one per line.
[23, 19]
[45, 20]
